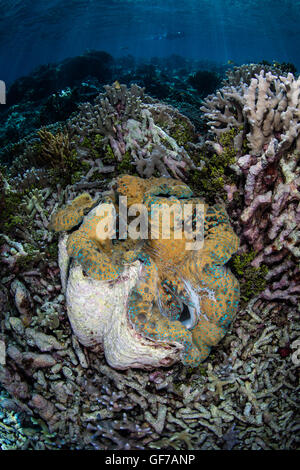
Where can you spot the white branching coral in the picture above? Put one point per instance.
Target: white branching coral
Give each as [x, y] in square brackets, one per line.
[268, 108]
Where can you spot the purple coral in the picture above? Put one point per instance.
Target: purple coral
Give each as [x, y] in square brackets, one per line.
[267, 109]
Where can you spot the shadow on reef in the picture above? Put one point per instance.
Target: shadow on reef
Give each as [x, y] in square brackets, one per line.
[205, 82]
[50, 78]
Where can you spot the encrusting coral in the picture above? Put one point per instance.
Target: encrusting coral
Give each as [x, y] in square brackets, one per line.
[149, 302]
[265, 115]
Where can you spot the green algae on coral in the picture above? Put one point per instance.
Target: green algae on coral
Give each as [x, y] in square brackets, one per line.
[215, 168]
[125, 166]
[181, 132]
[10, 218]
[252, 279]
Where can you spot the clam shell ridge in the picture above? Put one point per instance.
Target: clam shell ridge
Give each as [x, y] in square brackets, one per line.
[97, 311]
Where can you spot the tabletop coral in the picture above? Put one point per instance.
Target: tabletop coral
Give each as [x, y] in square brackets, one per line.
[150, 302]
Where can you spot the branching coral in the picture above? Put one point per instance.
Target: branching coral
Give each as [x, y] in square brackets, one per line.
[132, 295]
[113, 432]
[55, 149]
[267, 112]
[268, 108]
[244, 73]
[131, 122]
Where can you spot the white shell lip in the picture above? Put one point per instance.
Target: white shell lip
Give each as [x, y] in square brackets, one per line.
[97, 311]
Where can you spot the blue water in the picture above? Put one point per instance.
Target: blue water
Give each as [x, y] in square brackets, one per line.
[34, 32]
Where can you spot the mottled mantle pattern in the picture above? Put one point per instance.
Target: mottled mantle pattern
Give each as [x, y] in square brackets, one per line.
[130, 299]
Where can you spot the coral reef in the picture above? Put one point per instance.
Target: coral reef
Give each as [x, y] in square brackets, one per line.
[51, 78]
[54, 91]
[147, 297]
[124, 131]
[265, 115]
[244, 396]
[57, 393]
[248, 388]
[125, 118]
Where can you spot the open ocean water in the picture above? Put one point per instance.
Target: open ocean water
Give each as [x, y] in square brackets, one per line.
[34, 32]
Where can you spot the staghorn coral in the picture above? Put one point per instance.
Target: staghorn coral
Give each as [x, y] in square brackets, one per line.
[130, 122]
[267, 113]
[129, 297]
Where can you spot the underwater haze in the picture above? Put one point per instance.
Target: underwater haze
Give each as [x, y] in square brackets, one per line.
[34, 32]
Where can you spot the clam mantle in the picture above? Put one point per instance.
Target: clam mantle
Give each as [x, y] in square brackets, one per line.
[148, 303]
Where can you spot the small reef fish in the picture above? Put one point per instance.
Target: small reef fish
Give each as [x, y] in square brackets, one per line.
[117, 85]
